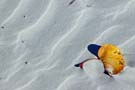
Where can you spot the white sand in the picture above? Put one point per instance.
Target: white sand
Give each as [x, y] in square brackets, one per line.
[42, 40]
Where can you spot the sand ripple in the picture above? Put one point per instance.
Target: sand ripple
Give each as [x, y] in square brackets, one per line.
[41, 40]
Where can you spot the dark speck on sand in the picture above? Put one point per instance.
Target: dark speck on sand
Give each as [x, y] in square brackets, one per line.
[2, 27]
[26, 62]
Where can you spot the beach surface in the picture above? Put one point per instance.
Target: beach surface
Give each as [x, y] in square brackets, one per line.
[41, 40]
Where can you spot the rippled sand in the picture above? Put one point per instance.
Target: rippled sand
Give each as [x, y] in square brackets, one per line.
[41, 40]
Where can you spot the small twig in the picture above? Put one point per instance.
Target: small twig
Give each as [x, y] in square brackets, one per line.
[72, 2]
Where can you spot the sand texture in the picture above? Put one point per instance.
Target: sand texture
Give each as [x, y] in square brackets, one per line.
[41, 40]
